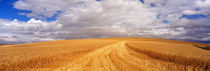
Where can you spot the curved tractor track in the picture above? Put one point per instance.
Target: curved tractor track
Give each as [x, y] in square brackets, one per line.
[120, 57]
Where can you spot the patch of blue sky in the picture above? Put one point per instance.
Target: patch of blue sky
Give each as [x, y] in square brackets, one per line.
[142, 1]
[53, 18]
[194, 16]
[165, 21]
[152, 5]
[10, 13]
[197, 9]
[98, 0]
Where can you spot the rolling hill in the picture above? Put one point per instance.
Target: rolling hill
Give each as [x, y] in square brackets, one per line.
[106, 54]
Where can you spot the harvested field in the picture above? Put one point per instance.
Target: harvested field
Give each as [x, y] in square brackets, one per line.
[108, 54]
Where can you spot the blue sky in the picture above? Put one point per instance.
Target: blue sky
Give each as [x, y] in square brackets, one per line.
[24, 21]
[9, 12]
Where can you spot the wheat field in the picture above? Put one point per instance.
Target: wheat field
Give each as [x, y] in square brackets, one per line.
[106, 54]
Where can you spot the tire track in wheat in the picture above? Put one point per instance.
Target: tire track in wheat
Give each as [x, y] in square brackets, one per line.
[108, 58]
[119, 57]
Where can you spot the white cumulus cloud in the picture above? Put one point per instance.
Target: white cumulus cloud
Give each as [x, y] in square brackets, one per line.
[107, 18]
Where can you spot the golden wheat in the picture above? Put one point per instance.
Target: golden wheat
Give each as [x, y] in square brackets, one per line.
[116, 54]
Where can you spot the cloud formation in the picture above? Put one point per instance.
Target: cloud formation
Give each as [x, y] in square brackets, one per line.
[108, 18]
[20, 32]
